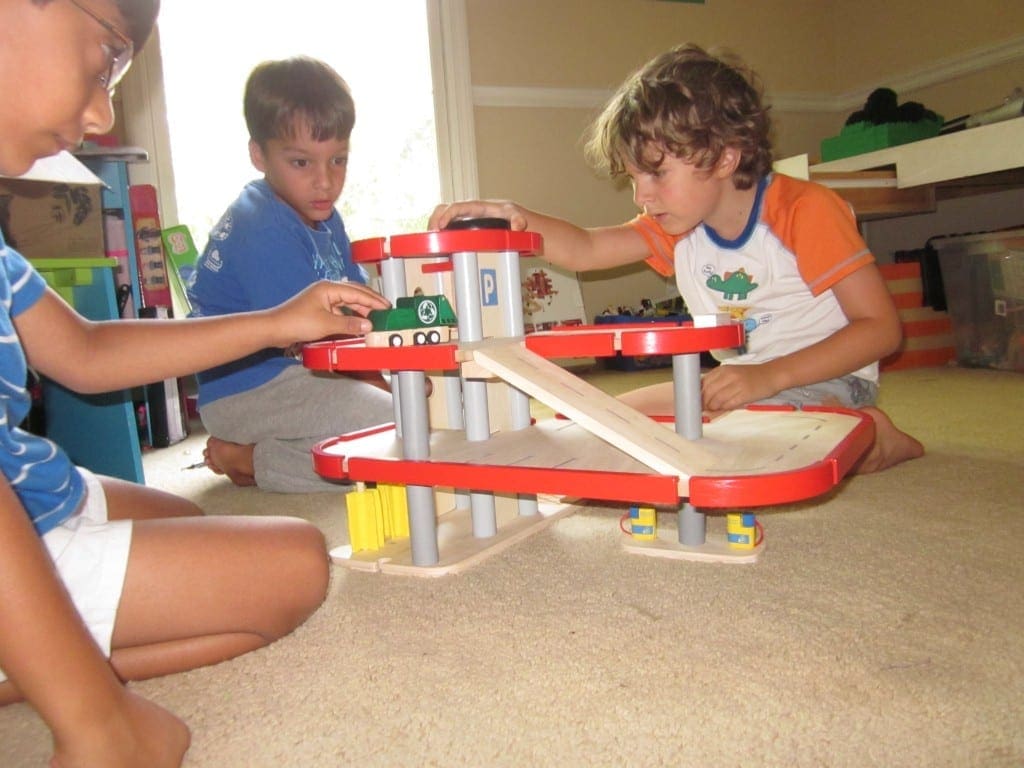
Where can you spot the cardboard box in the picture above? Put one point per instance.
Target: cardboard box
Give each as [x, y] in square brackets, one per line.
[48, 214]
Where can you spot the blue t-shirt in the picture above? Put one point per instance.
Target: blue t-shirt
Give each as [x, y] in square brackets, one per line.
[48, 485]
[260, 254]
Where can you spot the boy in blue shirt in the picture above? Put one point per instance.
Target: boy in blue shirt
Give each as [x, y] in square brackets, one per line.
[280, 235]
[92, 566]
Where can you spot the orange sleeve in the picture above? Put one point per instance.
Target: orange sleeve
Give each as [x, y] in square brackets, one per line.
[822, 231]
[660, 243]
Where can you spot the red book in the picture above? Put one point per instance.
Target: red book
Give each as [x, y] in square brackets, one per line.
[149, 246]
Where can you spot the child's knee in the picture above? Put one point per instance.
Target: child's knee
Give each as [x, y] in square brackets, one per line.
[307, 569]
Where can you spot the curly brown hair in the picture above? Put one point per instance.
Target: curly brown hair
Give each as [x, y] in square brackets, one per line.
[689, 104]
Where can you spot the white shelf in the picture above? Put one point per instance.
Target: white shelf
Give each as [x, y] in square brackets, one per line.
[973, 152]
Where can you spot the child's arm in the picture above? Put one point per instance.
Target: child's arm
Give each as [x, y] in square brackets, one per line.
[565, 244]
[49, 655]
[872, 333]
[102, 356]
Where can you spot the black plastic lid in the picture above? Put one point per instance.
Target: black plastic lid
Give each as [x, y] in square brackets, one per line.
[480, 223]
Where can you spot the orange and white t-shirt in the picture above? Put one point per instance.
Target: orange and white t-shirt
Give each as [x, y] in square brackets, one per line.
[776, 277]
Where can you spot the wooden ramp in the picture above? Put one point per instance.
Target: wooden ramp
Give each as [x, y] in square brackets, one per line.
[748, 443]
[605, 416]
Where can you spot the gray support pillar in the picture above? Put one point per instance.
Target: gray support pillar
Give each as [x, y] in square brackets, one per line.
[689, 416]
[452, 394]
[416, 445]
[510, 289]
[474, 392]
[447, 386]
[392, 274]
[692, 526]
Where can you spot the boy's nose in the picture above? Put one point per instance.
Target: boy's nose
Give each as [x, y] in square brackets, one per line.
[322, 177]
[98, 117]
[641, 195]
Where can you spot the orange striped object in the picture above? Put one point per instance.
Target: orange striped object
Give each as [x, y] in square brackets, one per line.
[927, 334]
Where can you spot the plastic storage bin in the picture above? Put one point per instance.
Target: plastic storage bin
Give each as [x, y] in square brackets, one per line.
[984, 279]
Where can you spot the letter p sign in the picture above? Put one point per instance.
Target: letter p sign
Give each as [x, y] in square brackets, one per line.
[488, 287]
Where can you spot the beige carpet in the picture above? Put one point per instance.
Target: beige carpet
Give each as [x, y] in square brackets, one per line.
[883, 626]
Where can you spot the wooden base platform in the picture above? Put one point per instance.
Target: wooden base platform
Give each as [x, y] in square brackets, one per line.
[714, 550]
[458, 548]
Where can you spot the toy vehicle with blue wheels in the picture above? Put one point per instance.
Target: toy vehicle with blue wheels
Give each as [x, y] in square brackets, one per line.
[414, 320]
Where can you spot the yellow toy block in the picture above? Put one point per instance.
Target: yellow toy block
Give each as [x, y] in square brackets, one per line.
[365, 521]
[395, 510]
[741, 530]
[643, 523]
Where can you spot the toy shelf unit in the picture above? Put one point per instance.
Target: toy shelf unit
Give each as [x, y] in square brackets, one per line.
[111, 165]
[98, 431]
[471, 451]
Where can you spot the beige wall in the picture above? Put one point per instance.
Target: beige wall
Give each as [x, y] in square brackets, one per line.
[595, 43]
[818, 60]
[881, 37]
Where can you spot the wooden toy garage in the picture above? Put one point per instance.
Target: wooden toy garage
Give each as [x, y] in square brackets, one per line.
[472, 461]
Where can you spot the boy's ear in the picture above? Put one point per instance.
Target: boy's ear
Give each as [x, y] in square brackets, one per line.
[728, 162]
[256, 156]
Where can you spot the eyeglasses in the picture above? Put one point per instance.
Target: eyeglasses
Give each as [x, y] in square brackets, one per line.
[120, 58]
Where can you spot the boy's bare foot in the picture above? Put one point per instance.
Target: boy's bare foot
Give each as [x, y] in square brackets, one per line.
[231, 459]
[891, 446]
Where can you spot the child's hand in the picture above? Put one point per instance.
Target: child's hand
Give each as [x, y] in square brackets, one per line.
[138, 733]
[477, 209]
[317, 312]
[728, 387]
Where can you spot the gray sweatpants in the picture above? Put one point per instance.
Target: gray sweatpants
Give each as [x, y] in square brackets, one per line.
[290, 414]
[845, 392]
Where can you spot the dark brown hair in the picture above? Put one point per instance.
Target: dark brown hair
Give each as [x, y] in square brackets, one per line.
[282, 95]
[139, 17]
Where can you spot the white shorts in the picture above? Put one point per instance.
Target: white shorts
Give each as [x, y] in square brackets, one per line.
[91, 555]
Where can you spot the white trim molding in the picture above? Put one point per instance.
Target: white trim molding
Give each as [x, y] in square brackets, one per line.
[941, 71]
[937, 72]
[453, 99]
[558, 98]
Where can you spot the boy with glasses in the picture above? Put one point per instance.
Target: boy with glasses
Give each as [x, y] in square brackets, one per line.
[92, 567]
[120, 54]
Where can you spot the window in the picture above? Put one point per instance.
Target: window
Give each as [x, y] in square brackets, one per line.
[381, 48]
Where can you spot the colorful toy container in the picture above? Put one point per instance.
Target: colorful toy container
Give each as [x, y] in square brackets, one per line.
[643, 523]
[741, 530]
